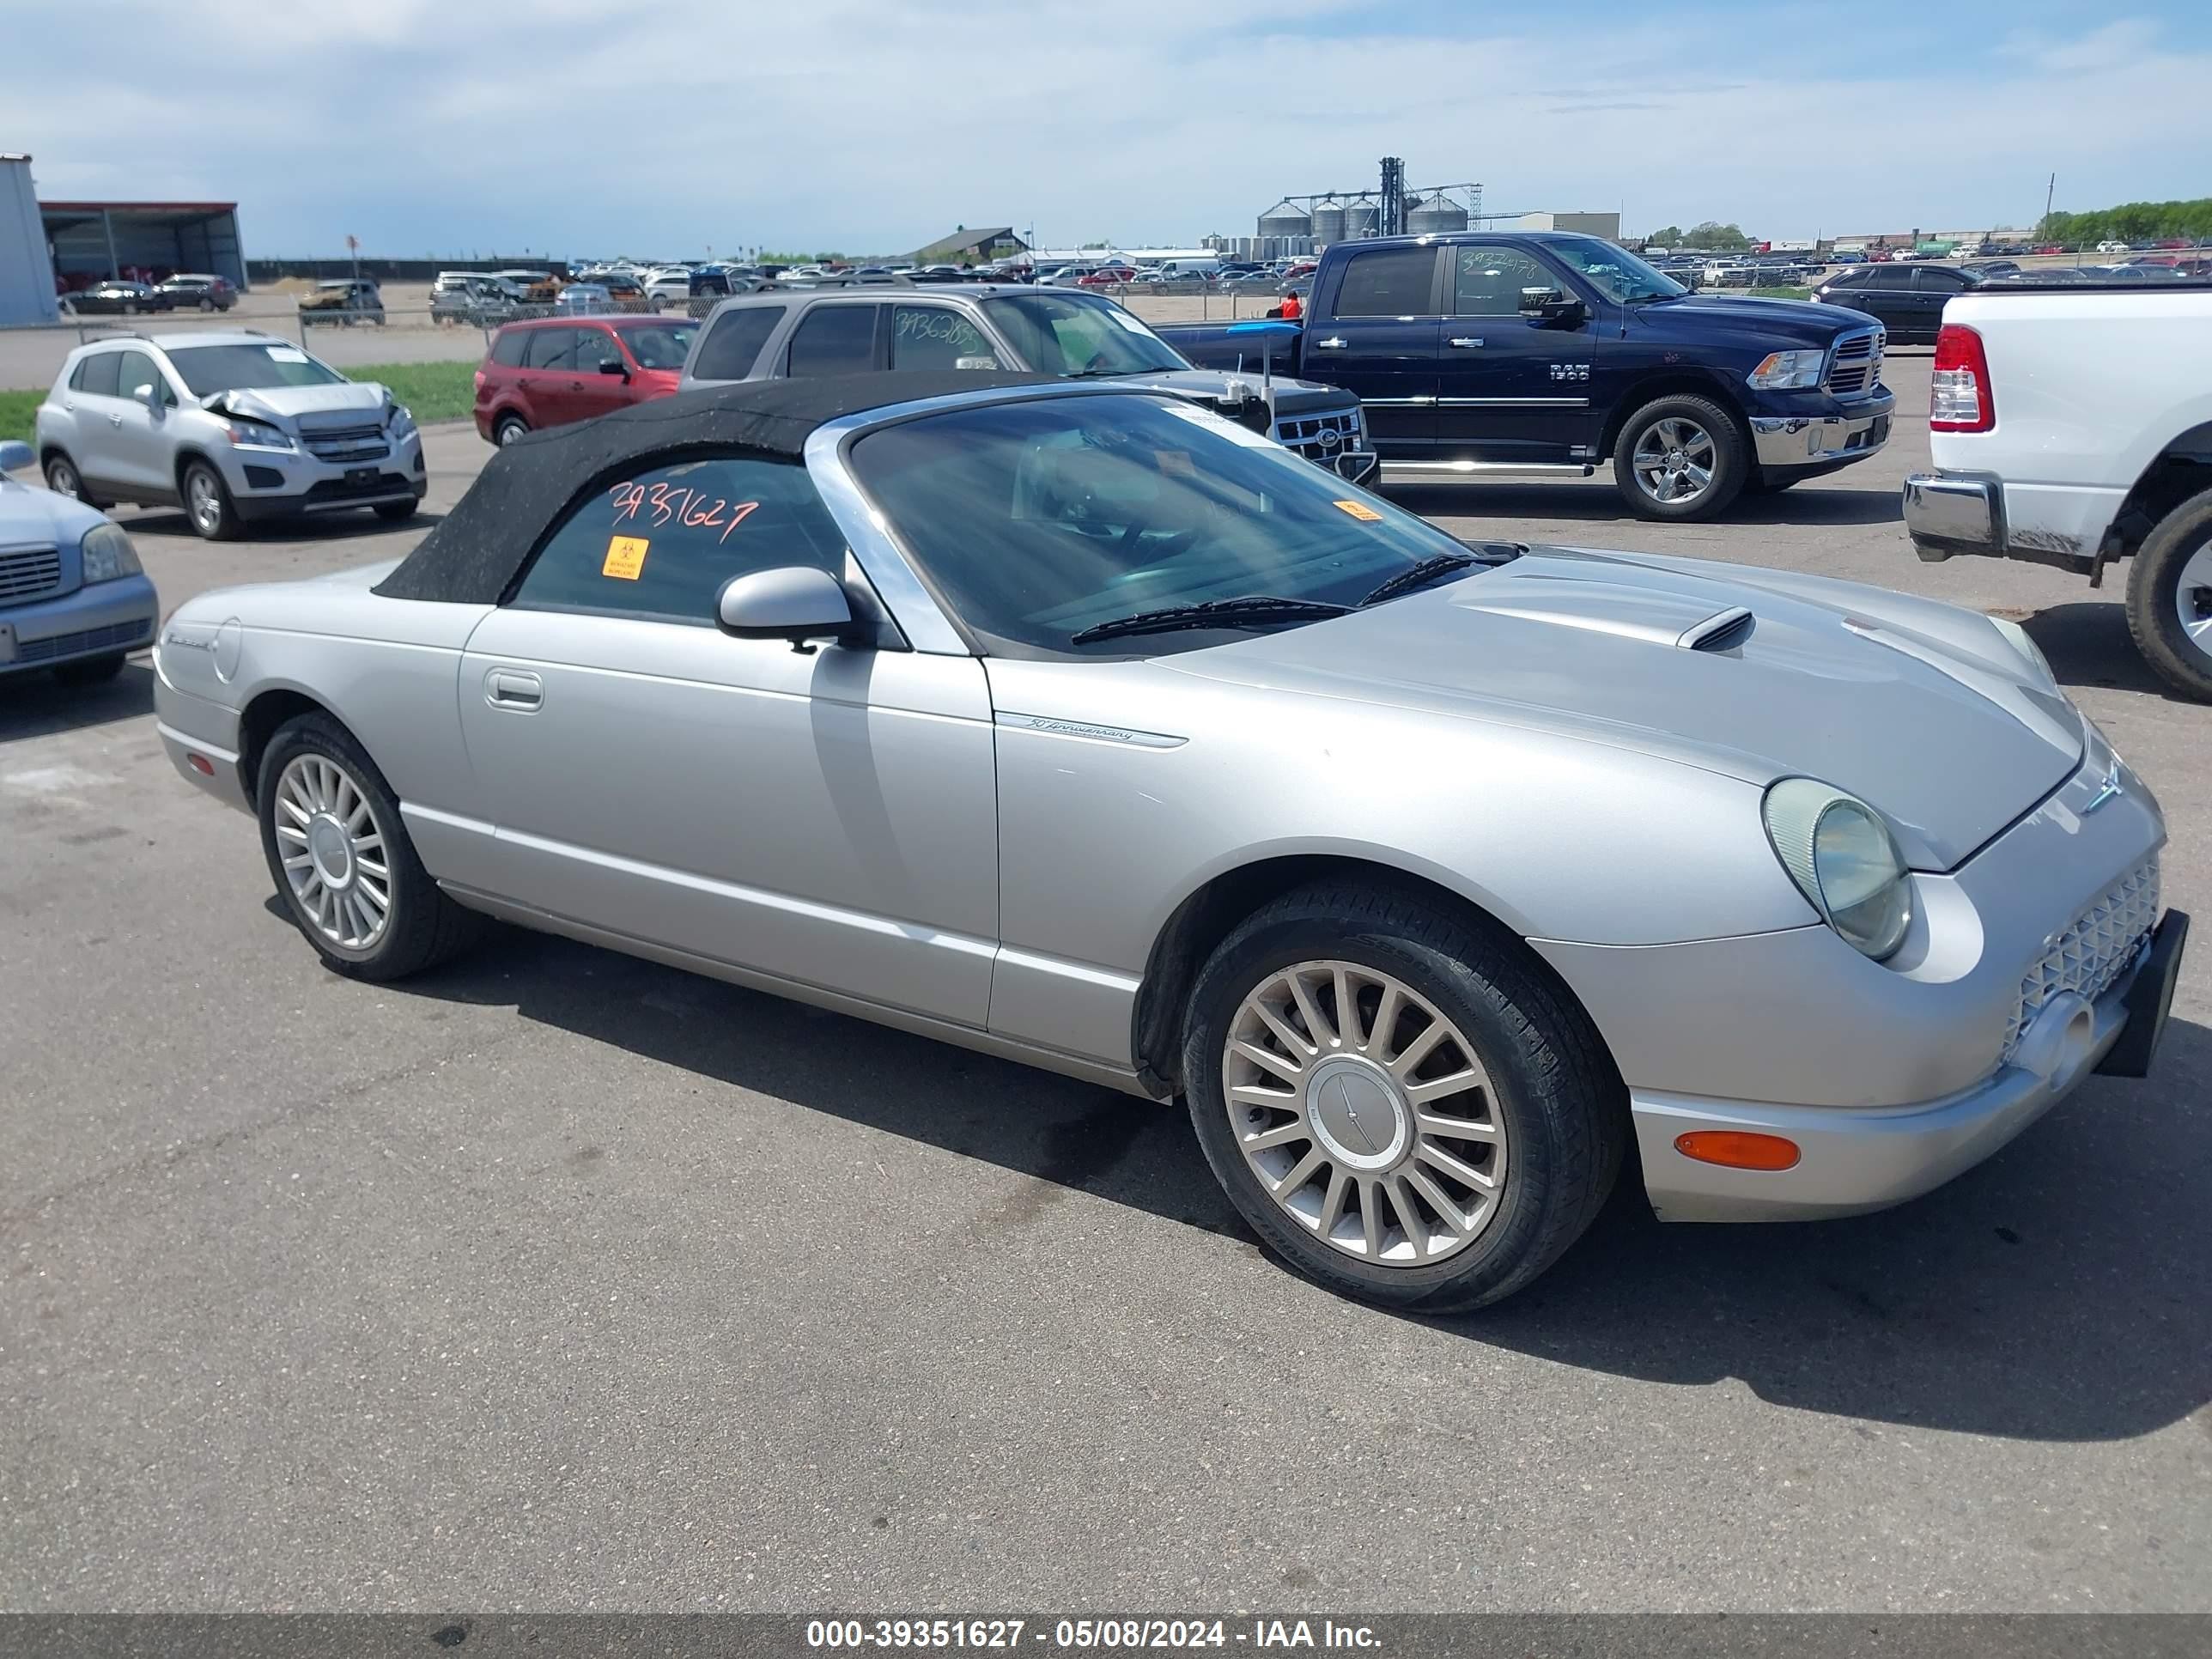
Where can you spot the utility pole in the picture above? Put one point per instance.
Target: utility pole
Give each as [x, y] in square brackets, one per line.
[2049, 191]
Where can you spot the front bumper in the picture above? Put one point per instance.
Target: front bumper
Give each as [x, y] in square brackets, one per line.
[96, 620]
[1821, 443]
[2020, 975]
[1852, 1162]
[280, 484]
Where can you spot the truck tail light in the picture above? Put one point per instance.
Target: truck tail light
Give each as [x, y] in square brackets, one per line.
[1958, 387]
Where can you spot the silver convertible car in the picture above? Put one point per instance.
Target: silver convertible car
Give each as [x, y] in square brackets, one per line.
[1080, 726]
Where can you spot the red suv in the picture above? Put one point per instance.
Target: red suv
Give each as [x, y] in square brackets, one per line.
[553, 370]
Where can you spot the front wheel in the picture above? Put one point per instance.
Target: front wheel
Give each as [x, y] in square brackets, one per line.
[207, 504]
[1679, 459]
[1397, 1102]
[2170, 598]
[344, 868]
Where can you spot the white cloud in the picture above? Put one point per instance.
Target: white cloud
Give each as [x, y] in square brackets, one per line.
[872, 126]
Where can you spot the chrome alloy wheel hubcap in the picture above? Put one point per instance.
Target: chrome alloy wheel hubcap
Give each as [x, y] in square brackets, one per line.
[1673, 461]
[1364, 1113]
[333, 854]
[207, 508]
[2192, 600]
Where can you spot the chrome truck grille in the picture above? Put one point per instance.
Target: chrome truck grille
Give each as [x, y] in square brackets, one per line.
[2094, 951]
[1854, 366]
[1319, 437]
[27, 574]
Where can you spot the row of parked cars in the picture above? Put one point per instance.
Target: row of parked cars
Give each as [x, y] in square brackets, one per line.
[185, 291]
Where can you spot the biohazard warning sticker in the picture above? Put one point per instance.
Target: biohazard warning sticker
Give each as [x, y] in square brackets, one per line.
[626, 557]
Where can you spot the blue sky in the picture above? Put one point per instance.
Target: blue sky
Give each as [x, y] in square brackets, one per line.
[575, 126]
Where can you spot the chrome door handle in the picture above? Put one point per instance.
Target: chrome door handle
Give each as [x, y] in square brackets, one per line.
[1334, 343]
[1465, 343]
[510, 687]
[115, 420]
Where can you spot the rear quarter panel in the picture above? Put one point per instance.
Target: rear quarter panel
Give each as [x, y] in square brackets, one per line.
[2088, 387]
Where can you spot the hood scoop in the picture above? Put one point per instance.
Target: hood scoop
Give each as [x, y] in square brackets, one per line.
[1624, 610]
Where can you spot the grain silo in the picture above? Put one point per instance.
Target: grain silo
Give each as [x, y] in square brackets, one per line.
[1359, 221]
[1437, 215]
[1328, 222]
[1285, 219]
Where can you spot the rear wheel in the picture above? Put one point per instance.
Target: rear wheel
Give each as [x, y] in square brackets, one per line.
[2170, 597]
[508, 428]
[344, 868]
[1680, 458]
[207, 304]
[1398, 1104]
[64, 479]
[207, 503]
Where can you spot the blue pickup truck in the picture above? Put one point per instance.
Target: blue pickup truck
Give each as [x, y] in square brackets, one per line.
[1525, 352]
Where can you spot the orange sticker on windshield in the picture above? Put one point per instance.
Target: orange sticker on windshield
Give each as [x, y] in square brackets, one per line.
[625, 557]
[1360, 511]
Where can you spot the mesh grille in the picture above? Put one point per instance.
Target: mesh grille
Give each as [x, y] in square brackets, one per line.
[2094, 951]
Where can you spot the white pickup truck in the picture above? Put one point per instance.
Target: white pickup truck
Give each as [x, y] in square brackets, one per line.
[2072, 426]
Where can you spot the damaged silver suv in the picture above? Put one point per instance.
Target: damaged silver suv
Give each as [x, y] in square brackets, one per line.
[233, 426]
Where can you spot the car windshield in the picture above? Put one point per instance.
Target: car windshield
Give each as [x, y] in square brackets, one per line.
[1078, 334]
[660, 345]
[1040, 519]
[209, 370]
[1614, 272]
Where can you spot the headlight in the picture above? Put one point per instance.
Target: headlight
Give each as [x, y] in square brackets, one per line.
[1789, 371]
[106, 553]
[2017, 637]
[401, 422]
[1843, 857]
[256, 435]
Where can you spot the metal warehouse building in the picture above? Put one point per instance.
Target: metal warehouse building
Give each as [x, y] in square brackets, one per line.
[142, 239]
[26, 275]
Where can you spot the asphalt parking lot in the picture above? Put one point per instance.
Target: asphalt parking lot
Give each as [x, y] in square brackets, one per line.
[558, 1280]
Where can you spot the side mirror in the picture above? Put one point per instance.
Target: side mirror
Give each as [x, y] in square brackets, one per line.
[146, 394]
[16, 456]
[613, 366]
[1548, 305]
[796, 602]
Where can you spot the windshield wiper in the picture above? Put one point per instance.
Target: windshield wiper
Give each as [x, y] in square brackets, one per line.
[1419, 575]
[1252, 610]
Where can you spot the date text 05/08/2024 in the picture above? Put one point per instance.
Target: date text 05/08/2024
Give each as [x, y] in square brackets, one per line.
[1106, 1634]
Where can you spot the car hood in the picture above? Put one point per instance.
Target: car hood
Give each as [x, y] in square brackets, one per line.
[287, 402]
[1229, 389]
[1798, 320]
[40, 518]
[1919, 708]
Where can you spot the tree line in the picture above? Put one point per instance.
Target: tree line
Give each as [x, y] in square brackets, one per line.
[2131, 221]
[1721, 239]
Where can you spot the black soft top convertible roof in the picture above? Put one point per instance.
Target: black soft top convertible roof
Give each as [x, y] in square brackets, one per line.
[475, 554]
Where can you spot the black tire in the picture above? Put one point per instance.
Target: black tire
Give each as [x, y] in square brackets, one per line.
[1731, 464]
[1555, 1089]
[424, 927]
[397, 511]
[2155, 602]
[64, 479]
[90, 671]
[507, 427]
[222, 523]
[207, 304]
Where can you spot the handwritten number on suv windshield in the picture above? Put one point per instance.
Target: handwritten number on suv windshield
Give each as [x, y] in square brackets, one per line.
[664, 504]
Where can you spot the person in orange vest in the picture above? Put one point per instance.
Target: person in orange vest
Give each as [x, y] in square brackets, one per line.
[1291, 307]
